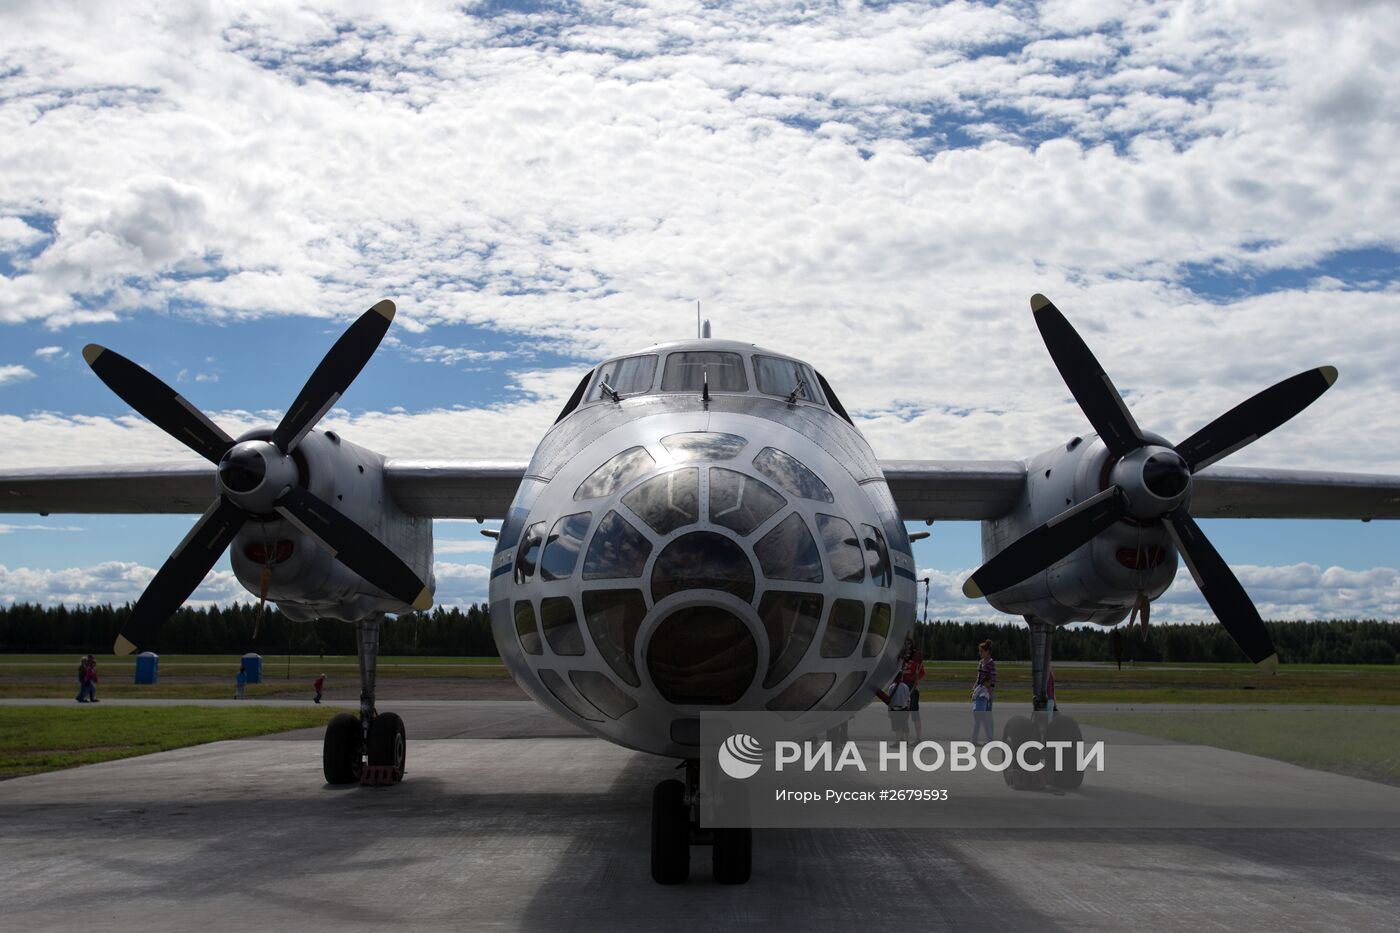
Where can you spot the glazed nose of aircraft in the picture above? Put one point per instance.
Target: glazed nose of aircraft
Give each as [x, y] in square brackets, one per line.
[707, 574]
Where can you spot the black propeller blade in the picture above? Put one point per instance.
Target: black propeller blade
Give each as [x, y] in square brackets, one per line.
[1250, 420]
[190, 563]
[160, 404]
[182, 571]
[354, 547]
[1087, 381]
[1041, 547]
[337, 369]
[1222, 590]
[1104, 407]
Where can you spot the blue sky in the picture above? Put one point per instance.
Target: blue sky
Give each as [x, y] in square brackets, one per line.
[1211, 195]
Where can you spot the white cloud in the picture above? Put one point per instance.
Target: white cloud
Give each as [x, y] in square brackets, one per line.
[877, 190]
[48, 353]
[14, 373]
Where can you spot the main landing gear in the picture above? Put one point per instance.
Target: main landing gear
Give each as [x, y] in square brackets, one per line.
[675, 827]
[371, 747]
[1044, 725]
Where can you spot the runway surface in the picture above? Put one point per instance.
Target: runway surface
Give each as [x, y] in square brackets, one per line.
[512, 819]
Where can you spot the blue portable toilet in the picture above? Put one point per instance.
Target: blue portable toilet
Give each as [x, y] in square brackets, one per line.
[146, 664]
[252, 666]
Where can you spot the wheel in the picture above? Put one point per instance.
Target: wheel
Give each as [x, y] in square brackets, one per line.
[1017, 731]
[388, 743]
[733, 855]
[340, 755]
[670, 834]
[1065, 729]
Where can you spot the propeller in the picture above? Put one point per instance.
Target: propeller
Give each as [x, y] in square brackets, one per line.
[256, 478]
[1151, 481]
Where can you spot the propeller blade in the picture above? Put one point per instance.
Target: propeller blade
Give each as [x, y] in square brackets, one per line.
[1087, 381]
[354, 547]
[160, 404]
[1250, 420]
[1038, 549]
[341, 364]
[182, 571]
[1222, 590]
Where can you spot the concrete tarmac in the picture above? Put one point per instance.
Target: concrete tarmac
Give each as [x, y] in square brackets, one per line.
[511, 819]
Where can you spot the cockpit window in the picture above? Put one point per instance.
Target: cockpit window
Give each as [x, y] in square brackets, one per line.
[560, 625]
[789, 553]
[740, 502]
[790, 474]
[879, 631]
[616, 473]
[803, 693]
[617, 551]
[626, 376]
[529, 552]
[687, 371]
[781, 377]
[668, 501]
[525, 628]
[791, 619]
[702, 560]
[877, 555]
[562, 548]
[843, 628]
[614, 616]
[842, 548]
[703, 445]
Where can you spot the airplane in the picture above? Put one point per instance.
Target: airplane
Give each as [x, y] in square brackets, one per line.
[703, 527]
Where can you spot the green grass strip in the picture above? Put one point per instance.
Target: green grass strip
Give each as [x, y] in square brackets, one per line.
[45, 738]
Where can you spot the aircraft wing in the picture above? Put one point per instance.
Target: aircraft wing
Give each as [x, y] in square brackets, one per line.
[438, 488]
[952, 490]
[943, 490]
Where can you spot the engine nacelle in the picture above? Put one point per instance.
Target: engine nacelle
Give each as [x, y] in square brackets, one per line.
[1101, 581]
[305, 580]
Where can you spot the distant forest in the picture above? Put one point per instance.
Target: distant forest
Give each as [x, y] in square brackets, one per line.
[239, 628]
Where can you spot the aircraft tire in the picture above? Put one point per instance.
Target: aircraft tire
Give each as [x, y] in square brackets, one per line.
[340, 752]
[1065, 729]
[670, 834]
[733, 855]
[388, 743]
[1017, 731]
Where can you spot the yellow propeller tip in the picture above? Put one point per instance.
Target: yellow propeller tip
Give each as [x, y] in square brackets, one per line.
[1329, 373]
[384, 309]
[1039, 301]
[123, 646]
[1269, 665]
[971, 590]
[92, 351]
[424, 600]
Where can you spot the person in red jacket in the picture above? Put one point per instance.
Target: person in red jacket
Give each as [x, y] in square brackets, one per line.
[87, 680]
[911, 672]
[319, 683]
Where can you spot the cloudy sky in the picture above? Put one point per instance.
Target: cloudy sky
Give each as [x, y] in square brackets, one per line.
[1210, 191]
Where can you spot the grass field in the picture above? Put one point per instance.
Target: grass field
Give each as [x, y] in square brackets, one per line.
[1360, 744]
[211, 677]
[35, 739]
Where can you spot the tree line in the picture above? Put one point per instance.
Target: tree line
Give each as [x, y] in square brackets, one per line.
[243, 627]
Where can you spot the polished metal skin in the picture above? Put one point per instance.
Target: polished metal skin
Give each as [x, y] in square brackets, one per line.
[272, 557]
[1101, 581]
[645, 549]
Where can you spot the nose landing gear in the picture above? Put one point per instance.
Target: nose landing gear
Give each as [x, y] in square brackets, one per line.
[675, 827]
[378, 737]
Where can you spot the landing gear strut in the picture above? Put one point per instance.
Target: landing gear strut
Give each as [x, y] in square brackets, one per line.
[1044, 725]
[675, 827]
[380, 738]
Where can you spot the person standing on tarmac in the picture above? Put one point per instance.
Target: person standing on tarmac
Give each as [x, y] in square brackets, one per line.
[240, 684]
[319, 683]
[911, 672]
[982, 692]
